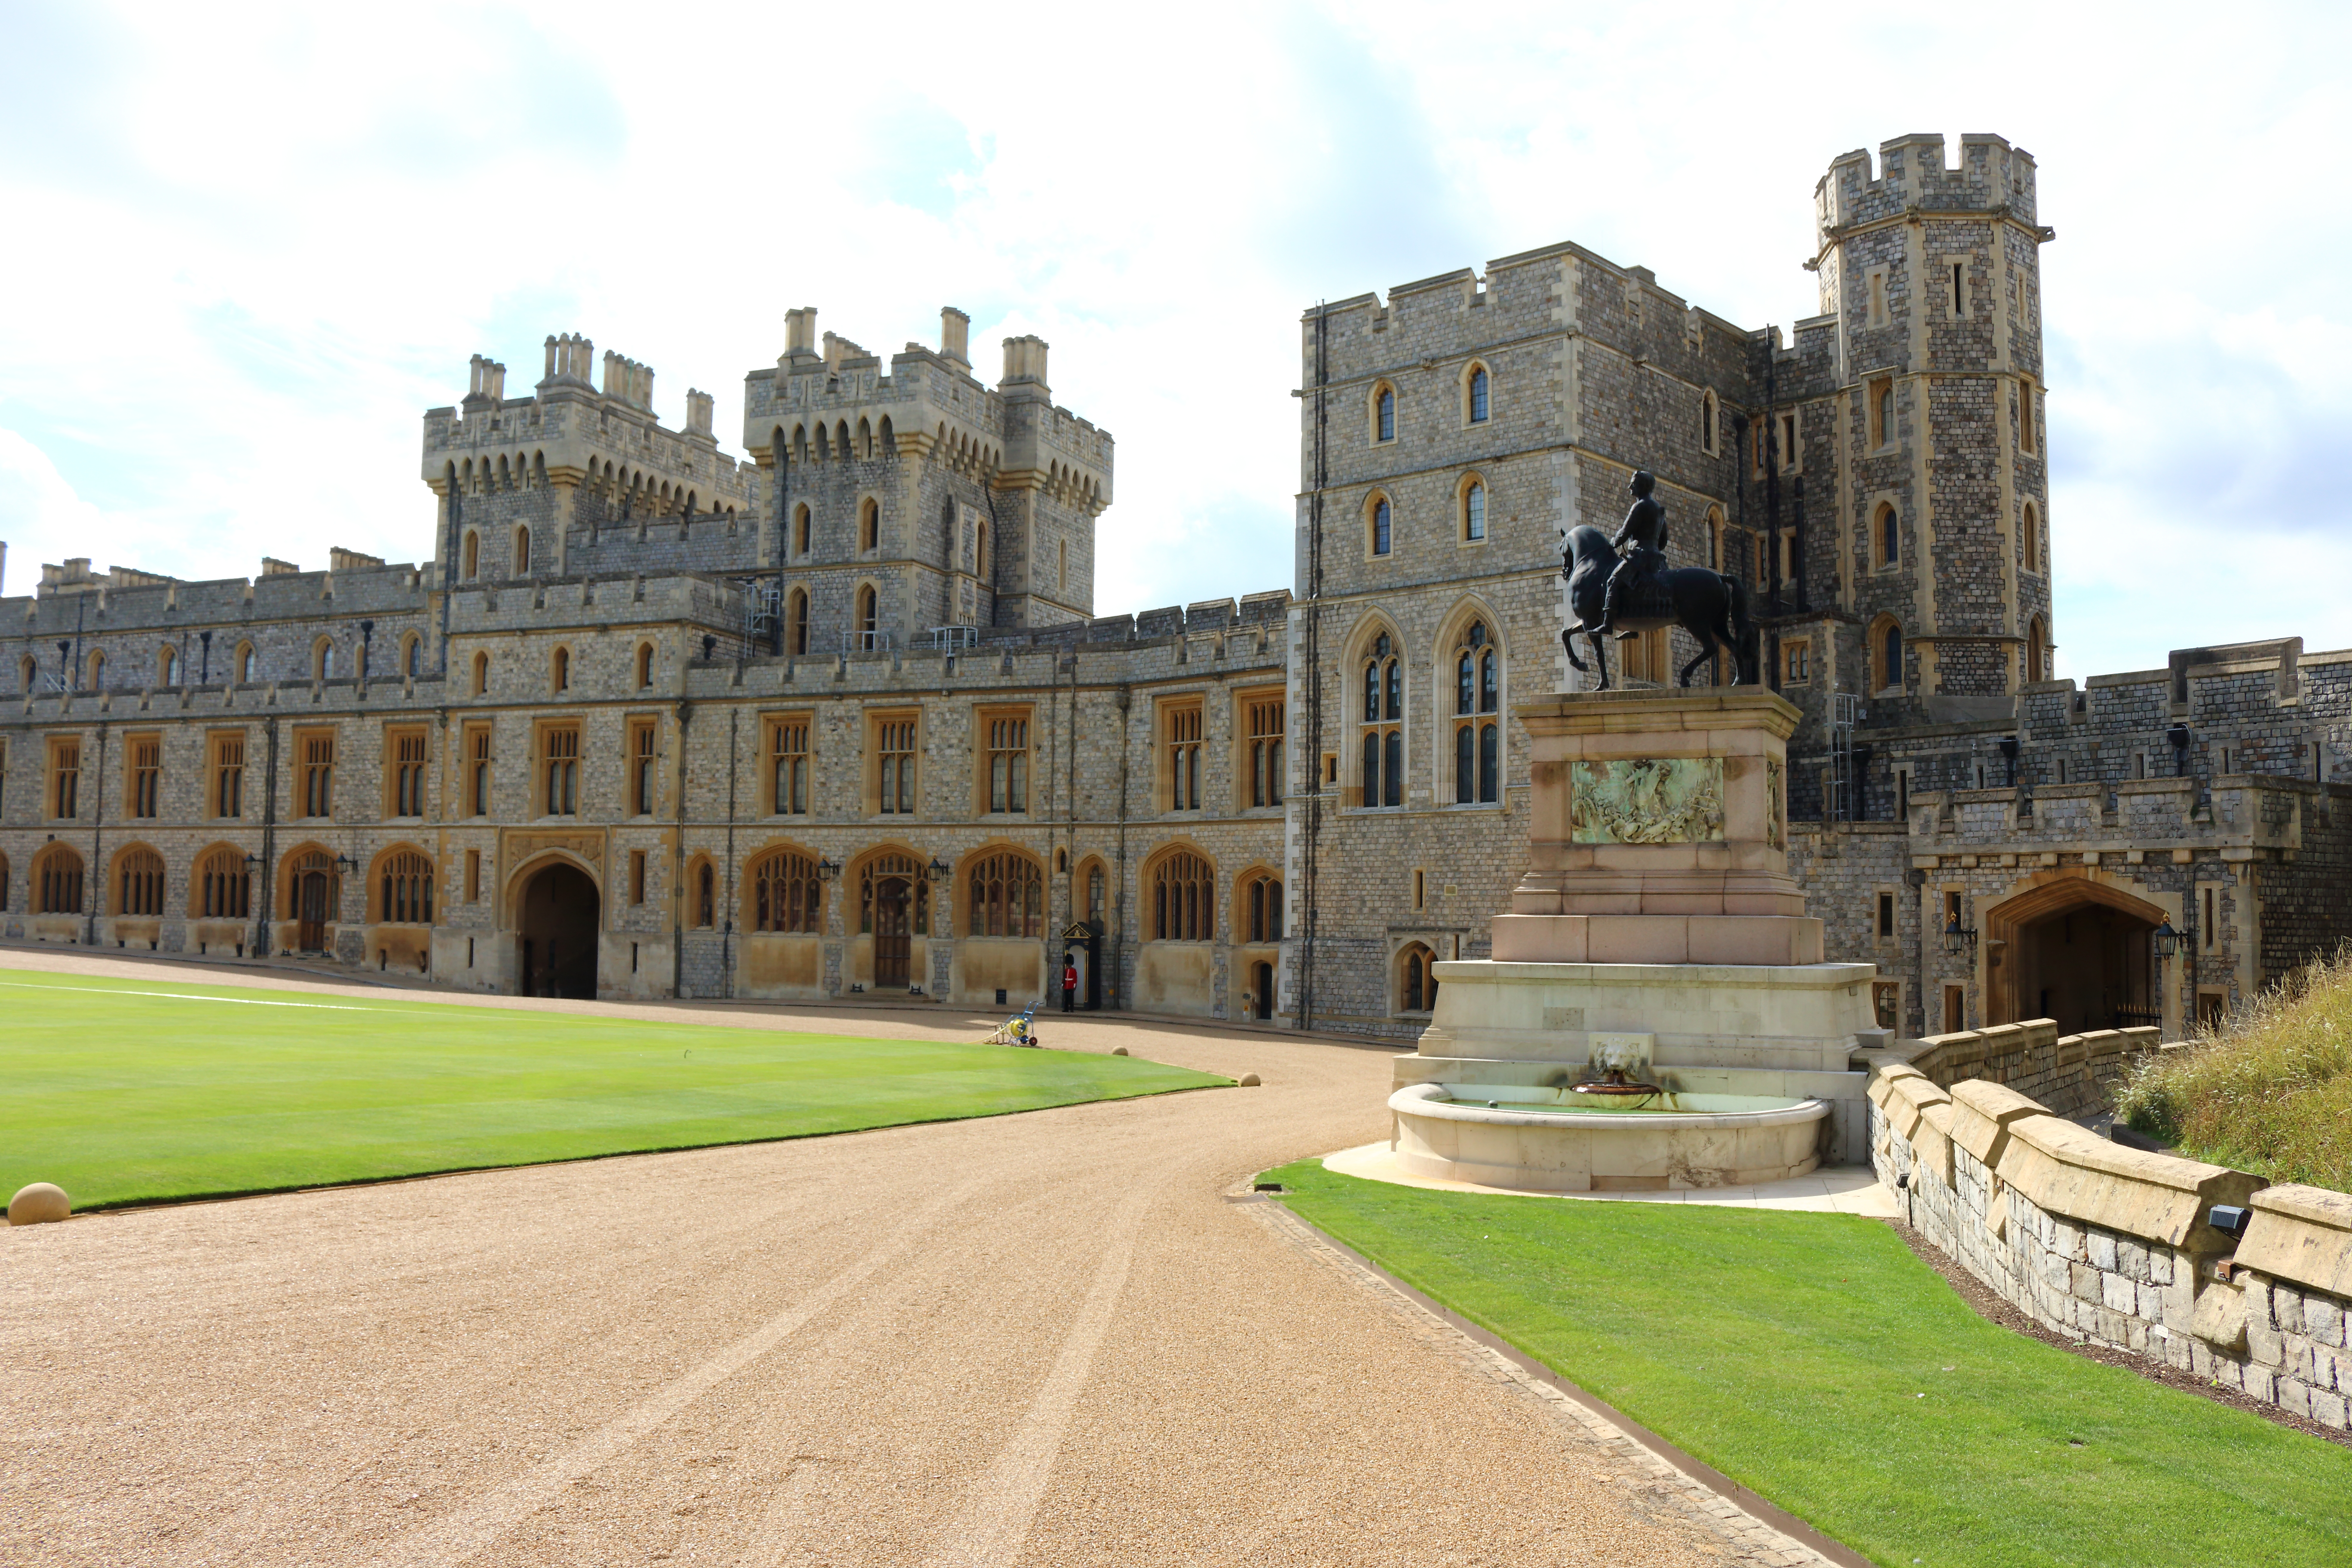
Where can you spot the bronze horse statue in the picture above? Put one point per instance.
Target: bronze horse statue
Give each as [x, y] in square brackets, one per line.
[1710, 607]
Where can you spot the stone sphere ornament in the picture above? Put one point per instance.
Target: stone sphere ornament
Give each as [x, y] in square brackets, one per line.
[1249, 1080]
[41, 1203]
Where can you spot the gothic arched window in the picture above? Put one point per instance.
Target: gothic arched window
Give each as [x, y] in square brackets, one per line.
[1477, 725]
[1383, 741]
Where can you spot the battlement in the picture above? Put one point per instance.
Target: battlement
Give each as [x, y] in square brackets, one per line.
[74, 576]
[1528, 293]
[569, 433]
[845, 401]
[1991, 177]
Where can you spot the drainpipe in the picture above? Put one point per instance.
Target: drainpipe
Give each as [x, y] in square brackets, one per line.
[727, 921]
[1773, 475]
[449, 566]
[269, 843]
[1918, 881]
[1119, 899]
[96, 846]
[783, 539]
[677, 858]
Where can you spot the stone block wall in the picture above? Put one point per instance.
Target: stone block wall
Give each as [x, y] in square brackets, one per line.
[2110, 1244]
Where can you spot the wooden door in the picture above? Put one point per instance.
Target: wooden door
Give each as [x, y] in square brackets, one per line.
[310, 911]
[890, 930]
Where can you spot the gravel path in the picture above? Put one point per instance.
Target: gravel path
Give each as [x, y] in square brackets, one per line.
[1045, 1339]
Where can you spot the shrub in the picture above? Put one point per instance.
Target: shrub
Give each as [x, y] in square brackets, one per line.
[2270, 1091]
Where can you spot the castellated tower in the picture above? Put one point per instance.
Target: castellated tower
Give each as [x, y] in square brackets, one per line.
[576, 480]
[903, 500]
[1915, 400]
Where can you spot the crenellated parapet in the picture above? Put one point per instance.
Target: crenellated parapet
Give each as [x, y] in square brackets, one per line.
[573, 439]
[1992, 177]
[843, 404]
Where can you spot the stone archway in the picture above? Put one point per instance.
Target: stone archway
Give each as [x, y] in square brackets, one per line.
[557, 922]
[2075, 950]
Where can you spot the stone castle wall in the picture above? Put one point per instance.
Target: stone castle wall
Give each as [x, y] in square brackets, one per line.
[2110, 1244]
[1772, 463]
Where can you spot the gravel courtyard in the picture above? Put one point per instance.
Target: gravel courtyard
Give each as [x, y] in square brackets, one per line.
[1048, 1338]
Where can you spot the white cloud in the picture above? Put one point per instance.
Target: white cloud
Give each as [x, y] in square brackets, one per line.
[250, 249]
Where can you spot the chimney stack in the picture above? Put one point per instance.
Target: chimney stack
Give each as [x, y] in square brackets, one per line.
[955, 336]
[800, 330]
[1025, 363]
[698, 406]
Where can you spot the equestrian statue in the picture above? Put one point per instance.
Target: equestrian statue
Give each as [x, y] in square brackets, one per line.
[1640, 592]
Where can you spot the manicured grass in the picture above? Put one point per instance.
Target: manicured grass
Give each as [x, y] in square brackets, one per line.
[1812, 1358]
[2271, 1092]
[122, 1095]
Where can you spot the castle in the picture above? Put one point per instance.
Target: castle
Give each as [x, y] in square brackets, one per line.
[840, 718]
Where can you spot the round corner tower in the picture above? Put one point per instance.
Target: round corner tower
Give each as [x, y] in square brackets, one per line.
[1932, 278]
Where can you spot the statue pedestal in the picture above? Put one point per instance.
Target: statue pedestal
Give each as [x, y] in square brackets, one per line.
[1657, 901]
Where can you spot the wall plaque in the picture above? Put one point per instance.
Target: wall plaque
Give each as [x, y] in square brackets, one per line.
[1647, 800]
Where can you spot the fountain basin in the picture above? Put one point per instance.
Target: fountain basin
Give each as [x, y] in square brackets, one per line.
[1543, 1140]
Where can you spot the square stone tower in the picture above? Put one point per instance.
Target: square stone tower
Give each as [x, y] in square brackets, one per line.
[1905, 422]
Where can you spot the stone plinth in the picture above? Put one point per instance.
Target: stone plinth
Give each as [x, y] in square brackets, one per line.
[1657, 903]
[1659, 832]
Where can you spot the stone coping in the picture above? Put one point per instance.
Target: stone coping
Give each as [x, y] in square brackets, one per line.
[2303, 1234]
[2071, 1171]
[1432, 1099]
[2298, 1233]
[1752, 976]
[1843, 1189]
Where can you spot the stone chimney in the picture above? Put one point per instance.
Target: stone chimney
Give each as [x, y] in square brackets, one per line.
[273, 567]
[955, 336]
[698, 406]
[570, 358]
[800, 330]
[1025, 366]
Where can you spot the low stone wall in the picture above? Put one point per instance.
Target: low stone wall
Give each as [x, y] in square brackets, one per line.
[2109, 1244]
[2072, 1075]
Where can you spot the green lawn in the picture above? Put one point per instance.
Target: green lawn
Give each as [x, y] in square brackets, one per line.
[1812, 1358]
[126, 1091]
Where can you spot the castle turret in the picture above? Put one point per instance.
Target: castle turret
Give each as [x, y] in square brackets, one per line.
[1930, 291]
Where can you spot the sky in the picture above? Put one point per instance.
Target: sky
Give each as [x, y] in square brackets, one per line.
[247, 245]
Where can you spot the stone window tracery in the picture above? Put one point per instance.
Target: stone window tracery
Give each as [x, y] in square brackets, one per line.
[1477, 725]
[140, 880]
[1382, 740]
[1258, 907]
[404, 890]
[1417, 979]
[1007, 894]
[57, 882]
[1183, 898]
[787, 894]
[223, 886]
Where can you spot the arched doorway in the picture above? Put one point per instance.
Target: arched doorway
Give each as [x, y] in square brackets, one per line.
[2076, 951]
[316, 899]
[557, 917]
